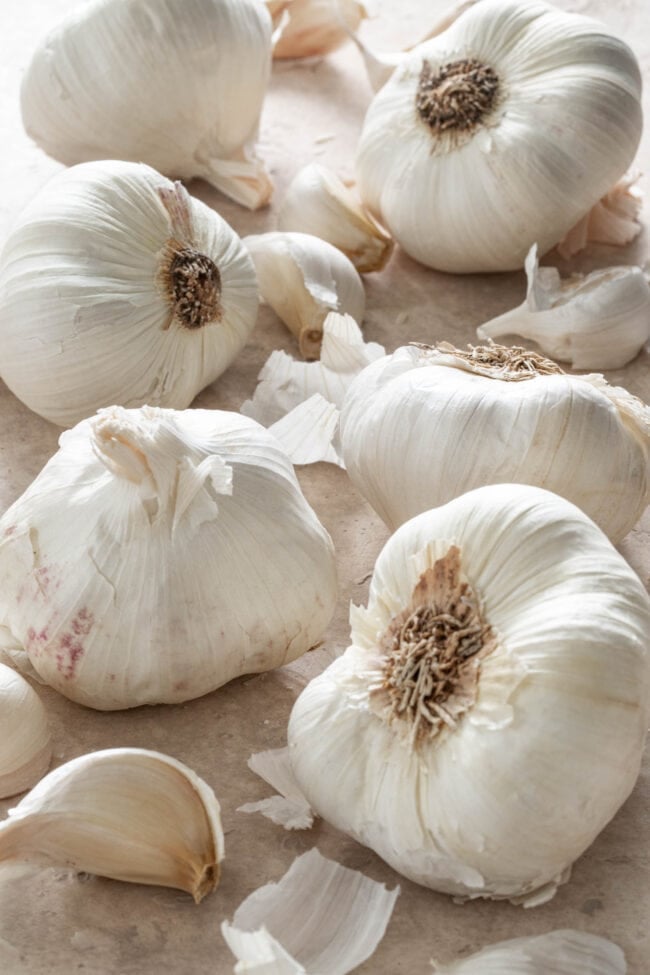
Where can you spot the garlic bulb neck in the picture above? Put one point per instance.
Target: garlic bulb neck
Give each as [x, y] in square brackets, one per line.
[193, 286]
[457, 96]
[512, 363]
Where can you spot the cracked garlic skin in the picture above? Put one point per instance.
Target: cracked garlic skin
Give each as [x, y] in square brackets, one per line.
[25, 745]
[176, 84]
[125, 813]
[426, 424]
[475, 148]
[160, 554]
[489, 717]
[118, 287]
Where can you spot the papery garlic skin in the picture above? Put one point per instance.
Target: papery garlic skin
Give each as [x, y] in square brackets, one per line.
[541, 739]
[468, 182]
[313, 27]
[125, 813]
[177, 84]
[25, 744]
[116, 286]
[160, 554]
[563, 952]
[424, 425]
[612, 220]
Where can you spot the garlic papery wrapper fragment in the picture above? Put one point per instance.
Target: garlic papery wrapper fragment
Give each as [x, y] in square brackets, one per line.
[597, 321]
[317, 202]
[290, 808]
[116, 286]
[476, 147]
[177, 84]
[562, 952]
[25, 745]
[160, 554]
[613, 220]
[489, 717]
[319, 918]
[303, 279]
[311, 28]
[426, 424]
[125, 813]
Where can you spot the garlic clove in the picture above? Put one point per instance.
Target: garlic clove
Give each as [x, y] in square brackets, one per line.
[243, 178]
[596, 321]
[317, 202]
[290, 808]
[612, 220]
[563, 952]
[25, 745]
[313, 27]
[125, 813]
[304, 278]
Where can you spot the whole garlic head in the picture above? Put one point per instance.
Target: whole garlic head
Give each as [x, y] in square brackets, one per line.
[177, 84]
[116, 286]
[503, 130]
[424, 425]
[489, 717]
[25, 746]
[160, 554]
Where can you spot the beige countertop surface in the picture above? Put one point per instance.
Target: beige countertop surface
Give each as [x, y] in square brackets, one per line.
[54, 922]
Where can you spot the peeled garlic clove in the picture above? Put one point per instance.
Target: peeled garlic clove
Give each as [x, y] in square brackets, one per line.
[489, 716]
[25, 746]
[200, 70]
[556, 953]
[612, 220]
[125, 813]
[304, 278]
[597, 321]
[314, 27]
[317, 202]
[116, 286]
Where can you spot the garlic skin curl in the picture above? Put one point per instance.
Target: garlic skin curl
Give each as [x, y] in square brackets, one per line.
[177, 84]
[425, 425]
[477, 145]
[160, 554]
[117, 287]
[489, 717]
[25, 745]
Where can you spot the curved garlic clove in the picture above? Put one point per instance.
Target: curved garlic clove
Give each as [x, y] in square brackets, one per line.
[303, 279]
[125, 813]
[597, 321]
[612, 220]
[317, 202]
[25, 745]
[563, 952]
[313, 27]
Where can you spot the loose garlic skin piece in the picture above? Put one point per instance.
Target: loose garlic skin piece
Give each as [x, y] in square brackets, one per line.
[476, 146]
[176, 84]
[312, 28]
[490, 780]
[25, 745]
[563, 952]
[117, 287]
[425, 425]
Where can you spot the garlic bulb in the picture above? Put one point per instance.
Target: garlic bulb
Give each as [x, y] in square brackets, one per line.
[25, 746]
[177, 84]
[427, 424]
[600, 321]
[304, 278]
[313, 27]
[489, 717]
[125, 813]
[317, 202]
[116, 286]
[160, 554]
[475, 148]
[556, 953]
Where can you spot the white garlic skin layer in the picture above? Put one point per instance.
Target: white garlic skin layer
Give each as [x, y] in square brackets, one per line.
[87, 315]
[176, 84]
[314, 27]
[160, 554]
[417, 431]
[25, 745]
[563, 126]
[563, 952]
[502, 805]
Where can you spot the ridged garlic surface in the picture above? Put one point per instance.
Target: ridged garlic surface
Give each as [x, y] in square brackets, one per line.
[160, 554]
[426, 424]
[177, 84]
[311, 28]
[489, 717]
[25, 745]
[116, 286]
[563, 952]
[125, 813]
[477, 145]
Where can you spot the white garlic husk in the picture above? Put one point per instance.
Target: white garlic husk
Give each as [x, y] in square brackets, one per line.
[489, 717]
[317, 202]
[25, 744]
[468, 175]
[310, 28]
[613, 220]
[426, 424]
[181, 88]
[160, 554]
[303, 279]
[595, 321]
[116, 286]
[563, 952]
[125, 813]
